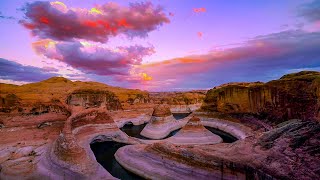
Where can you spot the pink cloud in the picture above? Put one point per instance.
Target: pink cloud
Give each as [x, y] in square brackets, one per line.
[93, 59]
[199, 10]
[56, 21]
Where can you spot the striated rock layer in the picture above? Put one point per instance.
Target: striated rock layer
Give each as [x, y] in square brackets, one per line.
[292, 96]
[290, 151]
[162, 123]
[194, 133]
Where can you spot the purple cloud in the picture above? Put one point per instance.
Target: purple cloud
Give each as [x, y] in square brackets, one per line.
[94, 59]
[10, 70]
[310, 11]
[259, 59]
[56, 21]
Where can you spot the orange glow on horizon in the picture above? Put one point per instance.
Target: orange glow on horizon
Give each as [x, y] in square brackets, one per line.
[173, 61]
[145, 77]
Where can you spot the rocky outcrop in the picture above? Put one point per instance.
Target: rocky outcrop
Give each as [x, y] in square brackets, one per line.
[67, 151]
[161, 111]
[162, 123]
[94, 98]
[292, 96]
[177, 98]
[8, 103]
[194, 133]
[185, 108]
[288, 152]
[24, 98]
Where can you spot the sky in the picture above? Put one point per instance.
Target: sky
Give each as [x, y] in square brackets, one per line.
[160, 45]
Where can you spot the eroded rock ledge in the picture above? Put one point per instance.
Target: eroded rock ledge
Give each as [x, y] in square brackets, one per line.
[293, 96]
[194, 133]
[162, 123]
[275, 153]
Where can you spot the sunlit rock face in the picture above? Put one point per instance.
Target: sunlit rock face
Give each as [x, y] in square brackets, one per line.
[162, 110]
[292, 96]
[94, 98]
[290, 151]
[161, 124]
[194, 133]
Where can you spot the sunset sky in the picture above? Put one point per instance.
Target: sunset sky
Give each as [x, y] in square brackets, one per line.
[160, 45]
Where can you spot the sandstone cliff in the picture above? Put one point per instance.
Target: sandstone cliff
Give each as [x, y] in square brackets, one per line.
[178, 98]
[26, 97]
[292, 96]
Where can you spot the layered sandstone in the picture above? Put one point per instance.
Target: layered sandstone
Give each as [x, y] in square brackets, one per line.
[194, 133]
[179, 102]
[292, 96]
[22, 99]
[161, 124]
[287, 152]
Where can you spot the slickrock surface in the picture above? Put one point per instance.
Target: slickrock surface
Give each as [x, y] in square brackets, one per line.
[161, 124]
[59, 149]
[236, 129]
[194, 133]
[288, 152]
[293, 96]
[135, 117]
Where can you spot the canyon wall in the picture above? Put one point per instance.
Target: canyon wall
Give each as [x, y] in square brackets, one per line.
[293, 96]
[94, 98]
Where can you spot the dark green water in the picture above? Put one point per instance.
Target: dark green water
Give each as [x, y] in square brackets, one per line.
[178, 116]
[134, 131]
[104, 153]
[226, 137]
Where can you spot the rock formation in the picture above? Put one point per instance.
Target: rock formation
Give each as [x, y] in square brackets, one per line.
[94, 98]
[292, 96]
[47, 128]
[194, 133]
[24, 98]
[180, 102]
[288, 152]
[161, 124]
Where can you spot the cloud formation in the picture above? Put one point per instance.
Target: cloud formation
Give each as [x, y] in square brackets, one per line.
[5, 17]
[10, 70]
[310, 11]
[199, 10]
[94, 59]
[58, 22]
[261, 58]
